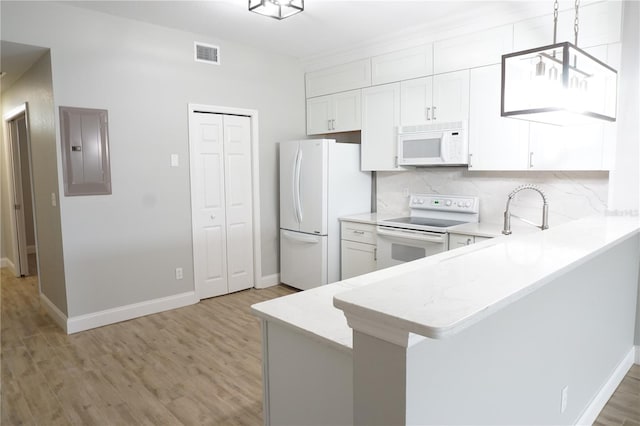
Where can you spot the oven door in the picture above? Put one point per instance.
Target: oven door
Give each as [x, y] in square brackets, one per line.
[396, 246]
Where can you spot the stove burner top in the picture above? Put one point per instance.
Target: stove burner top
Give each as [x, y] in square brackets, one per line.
[424, 221]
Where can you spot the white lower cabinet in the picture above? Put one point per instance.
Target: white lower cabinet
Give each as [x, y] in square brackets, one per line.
[462, 240]
[358, 249]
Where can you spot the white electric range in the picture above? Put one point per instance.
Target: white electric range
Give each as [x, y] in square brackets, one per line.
[424, 232]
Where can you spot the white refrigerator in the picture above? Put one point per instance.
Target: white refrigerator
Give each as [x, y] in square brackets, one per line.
[320, 181]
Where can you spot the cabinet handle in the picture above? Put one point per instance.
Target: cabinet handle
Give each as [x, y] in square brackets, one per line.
[359, 232]
[470, 165]
[375, 254]
[468, 241]
[328, 124]
[434, 112]
[427, 113]
[531, 159]
[333, 124]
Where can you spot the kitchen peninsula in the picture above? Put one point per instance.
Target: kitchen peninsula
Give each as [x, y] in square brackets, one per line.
[531, 328]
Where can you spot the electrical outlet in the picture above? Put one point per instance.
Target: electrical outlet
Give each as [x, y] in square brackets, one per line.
[175, 160]
[563, 399]
[178, 273]
[405, 192]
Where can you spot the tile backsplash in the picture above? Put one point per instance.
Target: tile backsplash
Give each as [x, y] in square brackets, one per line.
[571, 195]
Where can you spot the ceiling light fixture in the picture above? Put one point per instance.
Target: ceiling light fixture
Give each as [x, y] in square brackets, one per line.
[278, 9]
[558, 84]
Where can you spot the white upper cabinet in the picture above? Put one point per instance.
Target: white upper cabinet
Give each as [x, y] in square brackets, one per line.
[451, 96]
[341, 78]
[495, 142]
[416, 97]
[402, 65]
[566, 148]
[438, 99]
[599, 23]
[473, 50]
[380, 120]
[334, 113]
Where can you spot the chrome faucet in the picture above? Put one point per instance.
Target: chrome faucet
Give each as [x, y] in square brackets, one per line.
[545, 210]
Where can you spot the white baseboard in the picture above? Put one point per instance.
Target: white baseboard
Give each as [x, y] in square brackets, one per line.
[592, 411]
[5, 262]
[637, 360]
[53, 311]
[269, 281]
[123, 313]
[31, 249]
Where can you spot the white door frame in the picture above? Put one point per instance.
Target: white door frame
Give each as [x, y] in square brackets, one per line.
[17, 221]
[255, 178]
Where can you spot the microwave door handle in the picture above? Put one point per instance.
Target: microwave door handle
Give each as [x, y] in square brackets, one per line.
[444, 155]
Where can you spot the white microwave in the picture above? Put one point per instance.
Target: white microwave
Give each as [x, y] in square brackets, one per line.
[443, 144]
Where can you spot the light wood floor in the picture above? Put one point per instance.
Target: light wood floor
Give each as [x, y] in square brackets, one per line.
[195, 365]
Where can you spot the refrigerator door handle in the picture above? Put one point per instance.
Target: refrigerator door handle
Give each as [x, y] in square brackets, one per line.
[303, 238]
[295, 184]
[297, 202]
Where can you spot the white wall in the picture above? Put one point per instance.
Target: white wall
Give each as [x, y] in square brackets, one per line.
[35, 88]
[122, 248]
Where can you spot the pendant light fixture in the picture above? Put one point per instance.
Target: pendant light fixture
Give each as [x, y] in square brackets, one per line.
[558, 84]
[278, 9]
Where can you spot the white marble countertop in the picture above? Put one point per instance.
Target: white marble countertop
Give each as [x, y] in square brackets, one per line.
[370, 218]
[443, 294]
[491, 230]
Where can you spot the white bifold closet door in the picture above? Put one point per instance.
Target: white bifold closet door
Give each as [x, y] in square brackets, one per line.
[221, 203]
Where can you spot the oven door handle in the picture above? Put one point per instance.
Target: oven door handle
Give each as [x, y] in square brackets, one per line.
[431, 238]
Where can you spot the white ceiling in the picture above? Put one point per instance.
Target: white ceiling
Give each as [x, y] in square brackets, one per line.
[324, 27]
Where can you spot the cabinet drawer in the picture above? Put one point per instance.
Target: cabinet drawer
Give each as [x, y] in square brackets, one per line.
[359, 232]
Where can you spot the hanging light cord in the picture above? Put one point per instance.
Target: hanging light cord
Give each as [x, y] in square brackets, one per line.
[555, 20]
[575, 23]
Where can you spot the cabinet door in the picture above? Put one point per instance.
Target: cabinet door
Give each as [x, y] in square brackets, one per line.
[402, 65]
[318, 115]
[495, 142]
[357, 259]
[473, 50]
[380, 120]
[347, 115]
[340, 78]
[460, 240]
[451, 97]
[566, 148]
[415, 101]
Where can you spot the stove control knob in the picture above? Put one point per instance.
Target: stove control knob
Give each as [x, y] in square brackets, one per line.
[467, 204]
[447, 203]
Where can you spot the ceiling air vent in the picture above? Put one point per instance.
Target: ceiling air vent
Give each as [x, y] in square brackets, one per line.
[207, 53]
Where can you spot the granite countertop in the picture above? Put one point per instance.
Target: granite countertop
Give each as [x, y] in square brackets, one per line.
[450, 293]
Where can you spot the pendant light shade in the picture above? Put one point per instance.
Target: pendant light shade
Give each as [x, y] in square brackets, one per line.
[558, 84]
[278, 9]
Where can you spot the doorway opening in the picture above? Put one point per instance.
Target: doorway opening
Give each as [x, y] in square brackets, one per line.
[23, 253]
